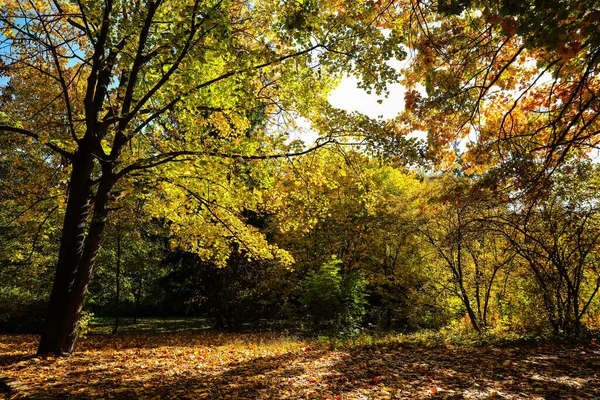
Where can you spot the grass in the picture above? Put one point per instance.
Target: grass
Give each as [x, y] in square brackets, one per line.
[104, 326]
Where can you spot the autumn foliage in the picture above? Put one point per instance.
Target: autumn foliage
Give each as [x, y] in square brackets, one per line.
[181, 159]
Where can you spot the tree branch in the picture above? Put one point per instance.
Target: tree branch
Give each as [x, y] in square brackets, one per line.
[26, 132]
[176, 100]
[172, 157]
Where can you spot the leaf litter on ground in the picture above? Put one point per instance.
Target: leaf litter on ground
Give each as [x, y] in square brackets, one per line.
[215, 365]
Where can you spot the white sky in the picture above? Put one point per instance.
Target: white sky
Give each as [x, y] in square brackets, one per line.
[349, 97]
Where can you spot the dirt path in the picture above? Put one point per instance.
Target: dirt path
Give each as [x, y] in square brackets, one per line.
[209, 365]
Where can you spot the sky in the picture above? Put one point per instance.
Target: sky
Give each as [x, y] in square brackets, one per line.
[349, 97]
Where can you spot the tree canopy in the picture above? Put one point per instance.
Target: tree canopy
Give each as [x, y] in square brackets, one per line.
[155, 139]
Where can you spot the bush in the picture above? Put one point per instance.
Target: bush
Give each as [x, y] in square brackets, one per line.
[20, 311]
[85, 323]
[333, 302]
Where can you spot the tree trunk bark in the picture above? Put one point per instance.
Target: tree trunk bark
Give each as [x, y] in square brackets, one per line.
[467, 303]
[138, 298]
[118, 286]
[471, 313]
[77, 253]
[463, 291]
[53, 339]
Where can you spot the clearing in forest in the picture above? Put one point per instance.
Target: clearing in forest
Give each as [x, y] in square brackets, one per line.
[205, 364]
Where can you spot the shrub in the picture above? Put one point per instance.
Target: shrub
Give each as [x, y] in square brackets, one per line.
[334, 302]
[85, 323]
[21, 311]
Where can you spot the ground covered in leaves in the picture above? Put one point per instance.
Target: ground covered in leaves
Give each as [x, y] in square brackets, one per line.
[204, 364]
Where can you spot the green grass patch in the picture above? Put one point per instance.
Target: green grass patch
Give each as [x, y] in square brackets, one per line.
[104, 325]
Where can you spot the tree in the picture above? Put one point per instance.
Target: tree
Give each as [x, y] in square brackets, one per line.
[115, 89]
[559, 239]
[242, 291]
[339, 201]
[28, 235]
[331, 301]
[518, 80]
[139, 272]
[343, 203]
[128, 252]
[456, 226]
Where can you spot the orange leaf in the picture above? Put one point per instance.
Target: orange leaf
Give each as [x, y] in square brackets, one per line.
[509, 26]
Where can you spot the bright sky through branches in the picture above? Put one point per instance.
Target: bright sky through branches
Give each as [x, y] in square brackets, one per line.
[349, 97]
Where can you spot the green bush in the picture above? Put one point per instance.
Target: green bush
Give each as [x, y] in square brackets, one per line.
[334, 302]
[85, 323]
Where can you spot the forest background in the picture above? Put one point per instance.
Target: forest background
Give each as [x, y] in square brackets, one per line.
[148, 168]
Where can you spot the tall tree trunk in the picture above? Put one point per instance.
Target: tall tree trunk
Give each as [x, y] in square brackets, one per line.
[77, 249]
[478, 280]
[488, 292]
[138, 297]
[53, 339]
[118, 285]
[77, 254]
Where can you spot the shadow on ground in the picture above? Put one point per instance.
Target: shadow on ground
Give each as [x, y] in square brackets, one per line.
[190, 365]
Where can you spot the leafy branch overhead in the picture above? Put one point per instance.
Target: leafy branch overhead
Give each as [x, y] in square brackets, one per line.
[162, 141]
[128, 87]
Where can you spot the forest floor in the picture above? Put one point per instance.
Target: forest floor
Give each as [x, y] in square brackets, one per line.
[172, 363]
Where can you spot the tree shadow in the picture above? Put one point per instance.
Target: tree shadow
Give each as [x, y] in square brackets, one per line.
[476, 372]
[403, 372]
[11, 359]
[243, 380]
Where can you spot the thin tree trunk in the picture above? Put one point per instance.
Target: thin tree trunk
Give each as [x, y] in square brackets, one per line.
[463, 291]
[138, 297]
[487, 296]
[118, 286]
[467, 304]
[478, 280]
